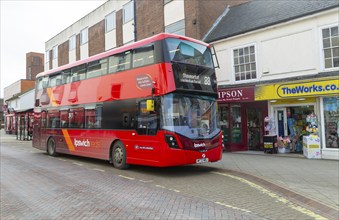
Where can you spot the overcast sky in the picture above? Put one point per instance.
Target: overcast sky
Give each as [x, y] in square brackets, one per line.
[27, 25]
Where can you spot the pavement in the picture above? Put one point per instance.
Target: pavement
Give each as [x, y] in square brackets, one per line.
[314, 181]
[310, 181]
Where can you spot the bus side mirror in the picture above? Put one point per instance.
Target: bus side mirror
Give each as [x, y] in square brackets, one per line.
[150, 105]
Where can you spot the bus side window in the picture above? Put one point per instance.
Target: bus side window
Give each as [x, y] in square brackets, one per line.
[76, 118]
[120, 62]
[79, 73]
[64, 118]
[97, 68]
[53, 119]
[66, 76]
[55, 80]
[43, 119]
[90, 118]
[143, 56]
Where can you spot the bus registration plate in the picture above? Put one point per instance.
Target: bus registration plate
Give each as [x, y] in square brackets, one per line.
[202, 160]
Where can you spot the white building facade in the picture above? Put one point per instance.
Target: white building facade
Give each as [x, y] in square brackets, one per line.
[292, 65]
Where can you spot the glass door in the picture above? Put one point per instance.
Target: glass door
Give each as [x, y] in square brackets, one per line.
[281, 121]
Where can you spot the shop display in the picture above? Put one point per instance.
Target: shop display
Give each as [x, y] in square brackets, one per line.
[270, 138]
[311, 142]
[331, 119]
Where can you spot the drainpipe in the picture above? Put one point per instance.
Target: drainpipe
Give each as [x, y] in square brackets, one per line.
[135, 19]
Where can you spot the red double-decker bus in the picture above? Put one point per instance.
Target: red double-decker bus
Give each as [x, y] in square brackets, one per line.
[152, 102]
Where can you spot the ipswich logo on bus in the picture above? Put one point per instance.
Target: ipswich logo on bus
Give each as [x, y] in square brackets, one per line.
[82, 143]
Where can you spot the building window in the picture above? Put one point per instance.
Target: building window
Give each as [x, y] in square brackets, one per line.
[55, 52]
[47, 56]
[110, 22]
[36, 61]
[84, 36]
[167, 1]
[244, 63]
[176, 28]
[128, 10]
[72, 41]
[29, 73]
[331, 47]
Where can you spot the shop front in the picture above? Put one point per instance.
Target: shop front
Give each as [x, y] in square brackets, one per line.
[241, 119]
[304, 112]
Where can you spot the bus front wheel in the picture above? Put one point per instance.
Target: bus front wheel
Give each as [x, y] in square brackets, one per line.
[51, 147]
[119, 156]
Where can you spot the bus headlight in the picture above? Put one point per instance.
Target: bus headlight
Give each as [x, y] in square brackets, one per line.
[171, 141]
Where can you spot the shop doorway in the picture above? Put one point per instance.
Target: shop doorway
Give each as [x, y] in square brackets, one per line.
[291, 122]
[254, 128]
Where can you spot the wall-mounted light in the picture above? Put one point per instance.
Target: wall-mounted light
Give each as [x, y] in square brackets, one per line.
[301, 99]
[273, 100]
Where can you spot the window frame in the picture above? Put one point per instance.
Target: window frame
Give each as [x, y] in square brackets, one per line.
[128, 6]
[55, 52]
[245, 63]
[47, 56]
[322, 49]
[84, 32]
[72, 43]
[112, 16]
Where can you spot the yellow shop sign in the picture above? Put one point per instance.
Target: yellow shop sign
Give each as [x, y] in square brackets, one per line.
[278, 91]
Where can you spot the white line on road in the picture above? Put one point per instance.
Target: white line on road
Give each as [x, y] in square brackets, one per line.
[78, 164]
[99, 170]
[126, 177]
[275, 196]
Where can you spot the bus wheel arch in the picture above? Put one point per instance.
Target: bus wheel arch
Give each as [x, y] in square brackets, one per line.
[118, 155]
[51, 147]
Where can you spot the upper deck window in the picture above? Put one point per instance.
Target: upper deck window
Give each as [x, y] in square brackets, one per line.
[120, 62]
[143, 56]
[189, 52]
[42, 83]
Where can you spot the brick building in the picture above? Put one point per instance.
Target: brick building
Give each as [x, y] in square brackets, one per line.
[34, 64]
[116, 23]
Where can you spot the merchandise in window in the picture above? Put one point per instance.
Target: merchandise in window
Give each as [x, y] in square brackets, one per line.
[331, 119]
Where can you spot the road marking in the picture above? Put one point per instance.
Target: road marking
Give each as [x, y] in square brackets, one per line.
[275, 196]
[146, 181]
[174, 190]
[78, 164]
[233, 207]
[126, 177]
[160, 186]
[62, 159]
[99, 170]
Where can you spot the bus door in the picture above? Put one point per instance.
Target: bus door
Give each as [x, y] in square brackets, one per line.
[147, 145]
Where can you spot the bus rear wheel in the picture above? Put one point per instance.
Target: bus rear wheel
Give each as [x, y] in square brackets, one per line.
[119, 156]
[51, 147]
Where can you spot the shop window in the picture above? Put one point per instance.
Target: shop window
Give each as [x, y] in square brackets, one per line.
[76, 118]
[236, 131]
[330, 37]
[244, 63]
[331, 120]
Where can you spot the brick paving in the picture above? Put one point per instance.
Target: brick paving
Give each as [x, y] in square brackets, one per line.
[35, 186]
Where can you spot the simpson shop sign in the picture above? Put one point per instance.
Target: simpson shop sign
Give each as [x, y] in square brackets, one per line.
[236, 94]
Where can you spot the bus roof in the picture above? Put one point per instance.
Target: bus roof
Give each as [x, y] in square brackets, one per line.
[154, 38]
